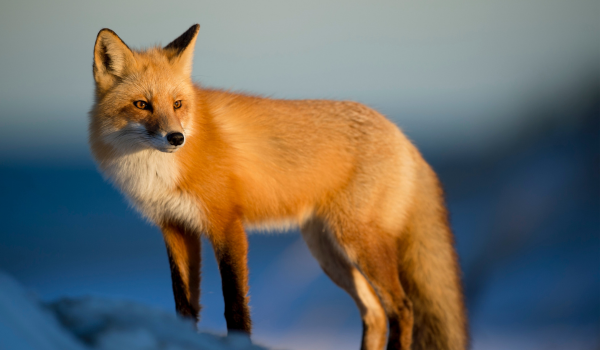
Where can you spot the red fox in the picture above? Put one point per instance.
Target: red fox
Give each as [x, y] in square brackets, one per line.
[204, 162]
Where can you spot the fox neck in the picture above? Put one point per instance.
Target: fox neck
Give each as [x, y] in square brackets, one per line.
[149, 179]
[141, 174]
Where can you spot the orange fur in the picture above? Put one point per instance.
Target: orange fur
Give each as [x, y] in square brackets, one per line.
[368, 205]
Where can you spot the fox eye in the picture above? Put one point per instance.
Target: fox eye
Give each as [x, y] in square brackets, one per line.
[141, 104]
[177, 104]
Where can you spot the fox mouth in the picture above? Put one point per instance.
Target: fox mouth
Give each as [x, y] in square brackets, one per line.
[161, 144]
[165, 147]
[171, 149]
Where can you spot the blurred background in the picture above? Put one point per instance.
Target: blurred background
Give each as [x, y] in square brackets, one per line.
[502, 97]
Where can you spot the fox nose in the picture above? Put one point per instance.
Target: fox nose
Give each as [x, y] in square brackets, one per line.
[175, 138]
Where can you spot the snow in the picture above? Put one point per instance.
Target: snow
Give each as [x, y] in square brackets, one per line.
[95, 323]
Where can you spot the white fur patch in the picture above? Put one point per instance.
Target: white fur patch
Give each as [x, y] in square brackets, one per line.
[148, 178]
[281, 224]
[373, 309]
[272, 225]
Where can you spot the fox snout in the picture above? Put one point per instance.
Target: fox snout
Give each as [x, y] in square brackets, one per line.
[167, 134]
[176, 138]
[169, 142]
[136, 136]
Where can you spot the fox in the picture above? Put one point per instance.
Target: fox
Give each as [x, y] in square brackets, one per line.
[201, 162]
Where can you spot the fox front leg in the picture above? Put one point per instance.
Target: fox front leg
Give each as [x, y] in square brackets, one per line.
[231, 250]
[183, 248]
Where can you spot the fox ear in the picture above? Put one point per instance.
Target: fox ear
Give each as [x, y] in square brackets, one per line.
[181, 50]
[111, 58]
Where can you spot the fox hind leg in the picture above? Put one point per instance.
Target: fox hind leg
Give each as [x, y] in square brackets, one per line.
[337, 266]
[374, 253]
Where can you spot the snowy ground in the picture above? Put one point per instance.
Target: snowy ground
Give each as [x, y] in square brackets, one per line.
[86, 323]
[95, 323]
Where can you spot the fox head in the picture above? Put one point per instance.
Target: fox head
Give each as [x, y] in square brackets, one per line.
[144, 99]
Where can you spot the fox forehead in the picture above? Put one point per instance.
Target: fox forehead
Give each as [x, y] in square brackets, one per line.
[153, 75]
[156, 87]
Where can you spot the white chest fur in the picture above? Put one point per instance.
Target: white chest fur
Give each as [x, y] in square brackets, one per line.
[148, 178]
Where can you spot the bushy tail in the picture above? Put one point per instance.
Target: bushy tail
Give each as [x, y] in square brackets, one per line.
[431, 276]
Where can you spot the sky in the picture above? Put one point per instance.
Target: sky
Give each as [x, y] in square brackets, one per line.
[459, 77]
